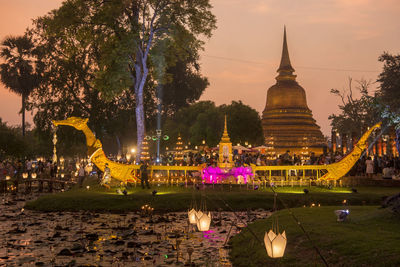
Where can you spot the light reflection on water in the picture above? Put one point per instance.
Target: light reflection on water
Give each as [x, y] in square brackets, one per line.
[108, 239]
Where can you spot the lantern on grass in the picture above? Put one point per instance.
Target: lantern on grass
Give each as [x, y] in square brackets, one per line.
[25, 175]
[192, 216]
[341, 215]
[203, 222]
[275, 242]
[34, 175]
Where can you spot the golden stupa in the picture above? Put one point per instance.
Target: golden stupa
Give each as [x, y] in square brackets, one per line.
[287, 121]
[225, 159]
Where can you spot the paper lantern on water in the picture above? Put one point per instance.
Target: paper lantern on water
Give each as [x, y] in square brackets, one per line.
[203, 222]
[192, 216]
[275, 244]
[199, 213]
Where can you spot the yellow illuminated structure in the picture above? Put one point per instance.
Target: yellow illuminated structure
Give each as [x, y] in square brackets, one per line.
[145, 155]
[339, 169]
[178, 149]
[333, 171]
[225, 159]
[119, 171]
[126, 172]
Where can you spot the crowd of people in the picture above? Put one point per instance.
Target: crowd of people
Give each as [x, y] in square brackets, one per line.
[386, 166]
[18, 171]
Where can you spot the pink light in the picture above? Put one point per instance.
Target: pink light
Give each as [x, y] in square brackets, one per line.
[215, 174]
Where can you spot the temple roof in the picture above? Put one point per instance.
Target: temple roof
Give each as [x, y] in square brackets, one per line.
[285, 68]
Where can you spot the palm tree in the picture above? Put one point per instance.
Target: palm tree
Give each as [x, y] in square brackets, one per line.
[19, 73]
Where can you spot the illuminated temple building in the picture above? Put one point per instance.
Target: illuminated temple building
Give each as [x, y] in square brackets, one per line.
[287, 121]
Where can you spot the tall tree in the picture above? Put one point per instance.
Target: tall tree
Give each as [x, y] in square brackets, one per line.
[127, 39]
[185, 87]
[205, 121]
[389, 91]
[357, 114]
[19, 73]
[145, 26]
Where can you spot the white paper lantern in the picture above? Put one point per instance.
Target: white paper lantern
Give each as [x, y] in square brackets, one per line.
[341, 215]
[8, 177]
[34, 175]
[275, 244]
[203, 222]
[25, 175]
[199, 213]
[192, 216]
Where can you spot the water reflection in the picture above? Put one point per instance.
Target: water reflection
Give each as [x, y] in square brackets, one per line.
[80, 238]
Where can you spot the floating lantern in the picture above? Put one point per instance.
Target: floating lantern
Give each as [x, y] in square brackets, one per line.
[192, 216]
[203, 222]
[198, 214]
[34, 175]
[119, 157]
[275, 244]
[62, 175]
[8, 177]
[25, 175]
[128, 157]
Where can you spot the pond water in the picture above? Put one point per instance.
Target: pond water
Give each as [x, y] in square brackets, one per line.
[32, 238]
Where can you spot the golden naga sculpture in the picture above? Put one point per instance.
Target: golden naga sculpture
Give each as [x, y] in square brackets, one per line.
[119, 171]
[339, 169]
[126, 172]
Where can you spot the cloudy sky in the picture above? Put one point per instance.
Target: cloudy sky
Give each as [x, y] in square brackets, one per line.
[329, 41]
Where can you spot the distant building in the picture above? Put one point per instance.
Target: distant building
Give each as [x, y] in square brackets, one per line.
[287, 121]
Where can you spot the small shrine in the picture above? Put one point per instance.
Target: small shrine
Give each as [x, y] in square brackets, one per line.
[225, 159]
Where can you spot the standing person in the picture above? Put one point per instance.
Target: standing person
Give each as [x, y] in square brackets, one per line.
[143, 175]
[369, 167]
[81, 174]
[106, 177]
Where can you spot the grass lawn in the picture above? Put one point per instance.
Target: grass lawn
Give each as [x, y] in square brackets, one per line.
[370, 237]
[179, 198]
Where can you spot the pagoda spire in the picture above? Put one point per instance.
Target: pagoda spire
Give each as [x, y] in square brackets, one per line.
[285, 68]
[225, 137]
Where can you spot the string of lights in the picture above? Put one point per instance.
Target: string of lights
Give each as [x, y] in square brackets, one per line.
[298, 67]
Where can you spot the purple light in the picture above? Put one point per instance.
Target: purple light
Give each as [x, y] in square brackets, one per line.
[216, 175]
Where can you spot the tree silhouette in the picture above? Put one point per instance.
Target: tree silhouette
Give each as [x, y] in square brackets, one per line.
[19, 72]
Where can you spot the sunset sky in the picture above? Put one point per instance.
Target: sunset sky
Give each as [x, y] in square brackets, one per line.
[329, 41]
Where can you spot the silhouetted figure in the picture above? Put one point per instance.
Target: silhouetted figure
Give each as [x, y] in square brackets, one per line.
[143, 175]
